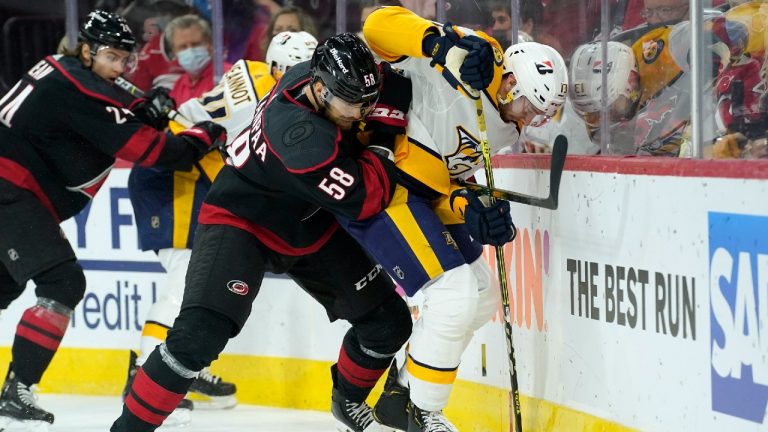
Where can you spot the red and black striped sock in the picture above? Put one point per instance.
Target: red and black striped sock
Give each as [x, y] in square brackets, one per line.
[356, 372]
[155, 393]
[38, 336]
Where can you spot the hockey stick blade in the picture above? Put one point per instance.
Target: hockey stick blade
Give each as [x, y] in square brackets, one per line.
[559, 151]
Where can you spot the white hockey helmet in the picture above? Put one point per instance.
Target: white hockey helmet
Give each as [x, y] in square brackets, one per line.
[540, 75]
[586, 82]
[288, 49]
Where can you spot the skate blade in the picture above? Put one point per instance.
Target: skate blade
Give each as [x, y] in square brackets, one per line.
[203, 402]
[179, 418]
[9, 424]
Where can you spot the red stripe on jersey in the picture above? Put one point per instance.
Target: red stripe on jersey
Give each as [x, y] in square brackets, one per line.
[47, 320]
[151, 158]
[357, 374]
[138, 144]
[18, 175]
[141, 412]
[155, 395]
[213, 215]
[80, 87]
[377, 187]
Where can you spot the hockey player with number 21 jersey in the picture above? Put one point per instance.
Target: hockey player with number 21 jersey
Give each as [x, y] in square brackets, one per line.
[434, 228]
[61, 129]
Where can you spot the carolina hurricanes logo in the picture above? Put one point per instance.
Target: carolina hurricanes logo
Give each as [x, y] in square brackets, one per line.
[238, 287]
[545, 67]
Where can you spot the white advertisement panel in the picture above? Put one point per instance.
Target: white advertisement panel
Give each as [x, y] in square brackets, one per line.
[642, 299]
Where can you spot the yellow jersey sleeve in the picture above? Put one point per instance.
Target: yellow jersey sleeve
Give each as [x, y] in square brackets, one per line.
[393, 32]
[450, 209]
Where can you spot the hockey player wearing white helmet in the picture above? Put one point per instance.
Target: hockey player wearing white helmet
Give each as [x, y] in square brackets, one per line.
[287, 49]
[166, 217]
[437, 228]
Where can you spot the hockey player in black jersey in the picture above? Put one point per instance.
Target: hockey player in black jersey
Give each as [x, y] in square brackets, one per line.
[273, 208]
[61, 128]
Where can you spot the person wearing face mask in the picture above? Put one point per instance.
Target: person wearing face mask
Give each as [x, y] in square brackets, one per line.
[62, 126]
[190, 39]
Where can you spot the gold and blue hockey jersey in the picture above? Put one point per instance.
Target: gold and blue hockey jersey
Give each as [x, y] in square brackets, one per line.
[443, 142]
[165, 203]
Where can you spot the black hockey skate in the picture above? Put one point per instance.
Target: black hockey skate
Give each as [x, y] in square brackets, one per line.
[208, 391]
[18, 406]
[390, 409]
[181, 416]
[420, 420]
[353, 416]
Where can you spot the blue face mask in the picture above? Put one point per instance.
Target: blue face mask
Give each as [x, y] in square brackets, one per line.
[194, 59]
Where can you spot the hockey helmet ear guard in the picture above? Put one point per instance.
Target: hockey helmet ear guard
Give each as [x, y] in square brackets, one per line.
[347, 70]
[623, 81]
[540, 75]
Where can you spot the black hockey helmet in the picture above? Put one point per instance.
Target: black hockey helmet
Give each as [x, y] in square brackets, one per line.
[347, 69]
[107, 29]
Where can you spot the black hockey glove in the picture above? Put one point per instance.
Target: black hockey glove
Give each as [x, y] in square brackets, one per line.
[473, 66]
[205, 137]
[153, 109]
[491, 225]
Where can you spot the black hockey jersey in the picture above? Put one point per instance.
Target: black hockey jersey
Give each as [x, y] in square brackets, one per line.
[292, 171]
[61, 128]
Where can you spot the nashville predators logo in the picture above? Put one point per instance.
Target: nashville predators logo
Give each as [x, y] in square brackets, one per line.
[467, 156]
[498, 56]
[652, 50]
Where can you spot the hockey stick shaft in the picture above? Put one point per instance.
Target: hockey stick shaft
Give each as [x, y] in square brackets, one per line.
[559, 151]
[501, 267]
[135, 91]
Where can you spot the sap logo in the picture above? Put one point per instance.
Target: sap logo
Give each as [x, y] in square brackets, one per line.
[738, 278]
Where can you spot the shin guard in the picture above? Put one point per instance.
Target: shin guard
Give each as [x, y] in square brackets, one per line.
[38, 336]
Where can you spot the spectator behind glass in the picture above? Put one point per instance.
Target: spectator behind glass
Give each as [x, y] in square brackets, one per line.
[531, 14]
[287, 19]
[570, 23]
[155, 66]
[189, 37]
[423, 8]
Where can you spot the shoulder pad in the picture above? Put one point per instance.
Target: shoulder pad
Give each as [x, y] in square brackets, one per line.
[299, 137]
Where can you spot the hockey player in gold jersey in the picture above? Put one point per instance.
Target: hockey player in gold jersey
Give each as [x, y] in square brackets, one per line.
[436, 228]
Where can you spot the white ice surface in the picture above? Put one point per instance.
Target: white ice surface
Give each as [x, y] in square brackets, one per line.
[96, 414]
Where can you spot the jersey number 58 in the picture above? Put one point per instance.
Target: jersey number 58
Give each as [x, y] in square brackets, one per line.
[335, 186]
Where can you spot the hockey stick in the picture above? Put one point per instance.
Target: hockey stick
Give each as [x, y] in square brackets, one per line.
[135, 91]
[559, 151]
[501, 267]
